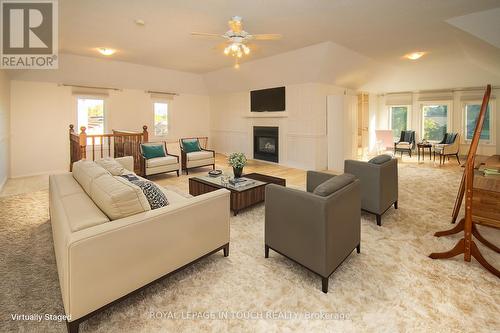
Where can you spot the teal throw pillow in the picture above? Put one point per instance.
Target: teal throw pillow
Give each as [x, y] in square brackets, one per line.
[190, 146]
[152, 151]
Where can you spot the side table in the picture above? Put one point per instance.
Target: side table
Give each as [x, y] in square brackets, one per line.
[423, 146]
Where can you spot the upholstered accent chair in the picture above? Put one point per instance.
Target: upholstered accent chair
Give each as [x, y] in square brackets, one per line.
[406, 143]
[449, 146]
[193, 155]
[162, 162]
[317, 228]
[379, 183]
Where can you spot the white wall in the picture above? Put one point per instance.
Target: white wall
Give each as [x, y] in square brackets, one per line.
[456, 119]
[302, 127]
[42, 112]
[109, 73]
[4, 128]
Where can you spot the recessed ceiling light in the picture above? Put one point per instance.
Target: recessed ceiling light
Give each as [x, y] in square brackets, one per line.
[106, 51]
[139, 22]
[414, 55]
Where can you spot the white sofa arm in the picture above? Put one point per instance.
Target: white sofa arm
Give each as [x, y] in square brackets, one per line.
[127, 162]
[113, 259]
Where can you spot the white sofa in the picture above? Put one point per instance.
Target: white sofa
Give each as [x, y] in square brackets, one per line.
[101, 258]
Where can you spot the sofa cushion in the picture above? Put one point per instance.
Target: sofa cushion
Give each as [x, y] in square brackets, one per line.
[81, 211]
[199, 155]
[153, 151]
[334, 184]
[160, 161]
[172, 196]
[112, 166]
[380, 159]
[190, 145]
[117, 197]
[86, 171]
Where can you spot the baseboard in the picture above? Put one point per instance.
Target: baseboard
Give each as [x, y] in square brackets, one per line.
[44, 173]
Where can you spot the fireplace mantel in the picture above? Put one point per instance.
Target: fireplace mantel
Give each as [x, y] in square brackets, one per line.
[266, 115]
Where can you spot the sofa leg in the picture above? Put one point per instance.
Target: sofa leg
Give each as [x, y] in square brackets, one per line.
[266, 251]
[177, 173]
[324, 284]
[72, 326]
[396, 204]
[213, 166]
[379, 219]
[226, 250]
[358, 248]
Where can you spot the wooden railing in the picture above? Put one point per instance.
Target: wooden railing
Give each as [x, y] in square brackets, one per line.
[95, 146]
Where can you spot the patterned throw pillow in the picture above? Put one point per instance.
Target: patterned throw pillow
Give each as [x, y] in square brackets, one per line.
[153, 193]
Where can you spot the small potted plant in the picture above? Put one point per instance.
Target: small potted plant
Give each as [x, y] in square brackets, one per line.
[237, 161]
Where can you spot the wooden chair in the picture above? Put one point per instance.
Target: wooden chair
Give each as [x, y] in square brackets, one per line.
[195, 159]
[157, 165]
[449, 146]
[406, 143]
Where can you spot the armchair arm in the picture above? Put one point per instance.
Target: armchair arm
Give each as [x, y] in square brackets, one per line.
[295, 225]
[314, 178]
[212, 151]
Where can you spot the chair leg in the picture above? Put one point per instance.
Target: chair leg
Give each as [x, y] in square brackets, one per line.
[358, 248]
[266, 251]
[177, 173]
[379, 219]
[324, 284]
[187, 171]
[226, 250]
[213, 166]
[396, 204]
[458, 159]
[409, 152]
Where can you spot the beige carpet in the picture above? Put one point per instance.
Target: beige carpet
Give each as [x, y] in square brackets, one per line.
[391, 286]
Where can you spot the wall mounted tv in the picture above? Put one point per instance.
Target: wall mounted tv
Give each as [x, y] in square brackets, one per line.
[267, 100]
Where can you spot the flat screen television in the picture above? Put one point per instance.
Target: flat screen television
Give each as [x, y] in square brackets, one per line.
[267, 100]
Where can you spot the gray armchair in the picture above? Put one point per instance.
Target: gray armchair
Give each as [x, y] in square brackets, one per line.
[379, 184]
[316, 229]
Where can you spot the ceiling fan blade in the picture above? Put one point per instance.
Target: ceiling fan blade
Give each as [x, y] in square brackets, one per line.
[204, 34]
[235, 26]
[266, 36]
[221, 46]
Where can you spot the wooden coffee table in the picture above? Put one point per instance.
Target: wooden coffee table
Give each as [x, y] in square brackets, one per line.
[241, 197]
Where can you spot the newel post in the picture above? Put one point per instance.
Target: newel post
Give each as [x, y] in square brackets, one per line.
[83, 142]
[145, 134]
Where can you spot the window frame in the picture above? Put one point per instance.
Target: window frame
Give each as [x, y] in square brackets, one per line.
[408, 115]
[492, 140]
[449, 116]
[105, 118]
[169, 111]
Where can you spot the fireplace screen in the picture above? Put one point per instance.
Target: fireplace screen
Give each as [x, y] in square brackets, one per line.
[267, 145]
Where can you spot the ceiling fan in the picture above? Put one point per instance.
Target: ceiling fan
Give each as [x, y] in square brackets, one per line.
[236, 44]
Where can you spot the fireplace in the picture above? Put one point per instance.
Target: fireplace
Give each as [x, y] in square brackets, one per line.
[266, 143]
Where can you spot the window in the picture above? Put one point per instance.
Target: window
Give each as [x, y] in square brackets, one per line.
[91, 115]
[398, 117]
[471, 115]
[160, 118]
[435, 121]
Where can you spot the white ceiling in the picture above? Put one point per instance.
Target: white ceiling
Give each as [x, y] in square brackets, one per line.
[382, 30]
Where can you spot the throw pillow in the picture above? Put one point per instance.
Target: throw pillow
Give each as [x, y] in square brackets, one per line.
[190, 146]
[334, 184]
[380, 159]
[112, 166]
[153, 193]
[152, 151]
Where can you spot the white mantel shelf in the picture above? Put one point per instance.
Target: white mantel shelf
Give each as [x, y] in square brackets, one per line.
[283, 114]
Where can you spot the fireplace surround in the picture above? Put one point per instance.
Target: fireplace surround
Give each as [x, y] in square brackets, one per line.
[266, 143]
